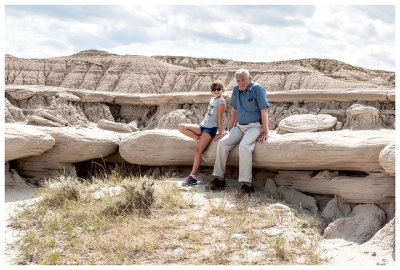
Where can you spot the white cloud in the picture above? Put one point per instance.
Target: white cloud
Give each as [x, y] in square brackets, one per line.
[358, 35]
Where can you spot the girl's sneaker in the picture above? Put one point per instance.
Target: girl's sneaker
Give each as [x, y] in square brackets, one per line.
[190, 181]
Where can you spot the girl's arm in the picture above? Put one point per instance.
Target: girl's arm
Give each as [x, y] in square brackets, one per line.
[221, 111]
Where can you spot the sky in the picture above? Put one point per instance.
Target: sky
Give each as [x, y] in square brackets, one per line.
[361, 35]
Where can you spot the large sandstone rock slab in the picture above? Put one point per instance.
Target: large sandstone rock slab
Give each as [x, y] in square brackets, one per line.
[332, 150]
[23, 141]
[314, 95]
[364, 222]
[387, 158]
[158, 147]
[22, 92]
[307, 123]
[376, 187]
[71, 146]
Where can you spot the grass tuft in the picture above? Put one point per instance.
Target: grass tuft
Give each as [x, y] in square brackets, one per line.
[137, 197]
[58, 193]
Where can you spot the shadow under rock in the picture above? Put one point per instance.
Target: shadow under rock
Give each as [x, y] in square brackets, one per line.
[229, 193]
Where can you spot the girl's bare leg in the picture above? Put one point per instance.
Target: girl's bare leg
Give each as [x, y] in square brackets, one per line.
[204, 141]
[191, 130]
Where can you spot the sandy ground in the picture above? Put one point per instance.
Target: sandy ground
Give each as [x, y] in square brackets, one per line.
[15, 197]
[343, 252]
[339, 251]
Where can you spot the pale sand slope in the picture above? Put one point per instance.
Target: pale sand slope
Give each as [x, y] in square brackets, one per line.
[15, 198]
[339, 251]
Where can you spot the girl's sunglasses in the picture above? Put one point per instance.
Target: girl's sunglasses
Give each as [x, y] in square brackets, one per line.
[216, 89]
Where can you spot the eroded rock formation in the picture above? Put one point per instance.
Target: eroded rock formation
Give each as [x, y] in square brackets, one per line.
[387, 158]
[322, 171]
[363, 222]
[22, 141]
[332, 150]
[71, 146]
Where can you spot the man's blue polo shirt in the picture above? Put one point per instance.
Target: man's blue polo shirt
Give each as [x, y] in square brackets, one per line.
[249, 103]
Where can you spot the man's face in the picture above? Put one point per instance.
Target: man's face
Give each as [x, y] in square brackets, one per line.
[243, 81]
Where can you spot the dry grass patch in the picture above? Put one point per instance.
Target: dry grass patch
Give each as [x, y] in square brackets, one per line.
[155, 222]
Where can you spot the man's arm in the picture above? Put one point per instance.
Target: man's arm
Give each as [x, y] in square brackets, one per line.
[264, 123]
[232, 119]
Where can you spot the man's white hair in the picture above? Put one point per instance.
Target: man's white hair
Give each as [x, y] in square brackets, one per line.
[241, 71]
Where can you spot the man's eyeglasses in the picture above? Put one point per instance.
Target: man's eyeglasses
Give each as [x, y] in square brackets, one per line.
[216, 89]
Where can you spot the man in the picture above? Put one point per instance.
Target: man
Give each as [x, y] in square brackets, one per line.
[248, 123]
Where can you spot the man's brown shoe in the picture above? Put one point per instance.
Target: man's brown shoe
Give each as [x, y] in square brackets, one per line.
[216, 184]
[246, 190]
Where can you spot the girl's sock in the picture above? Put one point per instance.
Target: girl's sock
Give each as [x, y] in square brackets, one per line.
[193, 175]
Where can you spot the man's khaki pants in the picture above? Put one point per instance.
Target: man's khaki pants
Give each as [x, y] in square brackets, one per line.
[247, 136]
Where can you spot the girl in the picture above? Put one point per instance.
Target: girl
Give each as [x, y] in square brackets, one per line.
[207, 130]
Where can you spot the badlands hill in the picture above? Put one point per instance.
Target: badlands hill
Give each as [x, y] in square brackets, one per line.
[103, 71]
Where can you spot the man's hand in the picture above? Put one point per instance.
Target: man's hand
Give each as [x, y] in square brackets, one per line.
[220, 136]
[263, 137]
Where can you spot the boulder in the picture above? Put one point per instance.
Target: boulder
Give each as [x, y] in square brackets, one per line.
[307, 123]
[332, 150]
[110, 125]
[270, 188]
[35, 119]
[23, 141]
[387, 158]
[71, 146]
[335, 209]
[298, 199]
[364, 222]
[133, 112]
[384, 239]
[8, 177]
[361, 116]
[291, 196]
[96, 112]
[338, 126]
[134, 125]
[173, 119]
[13, 113]
[52, 117]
